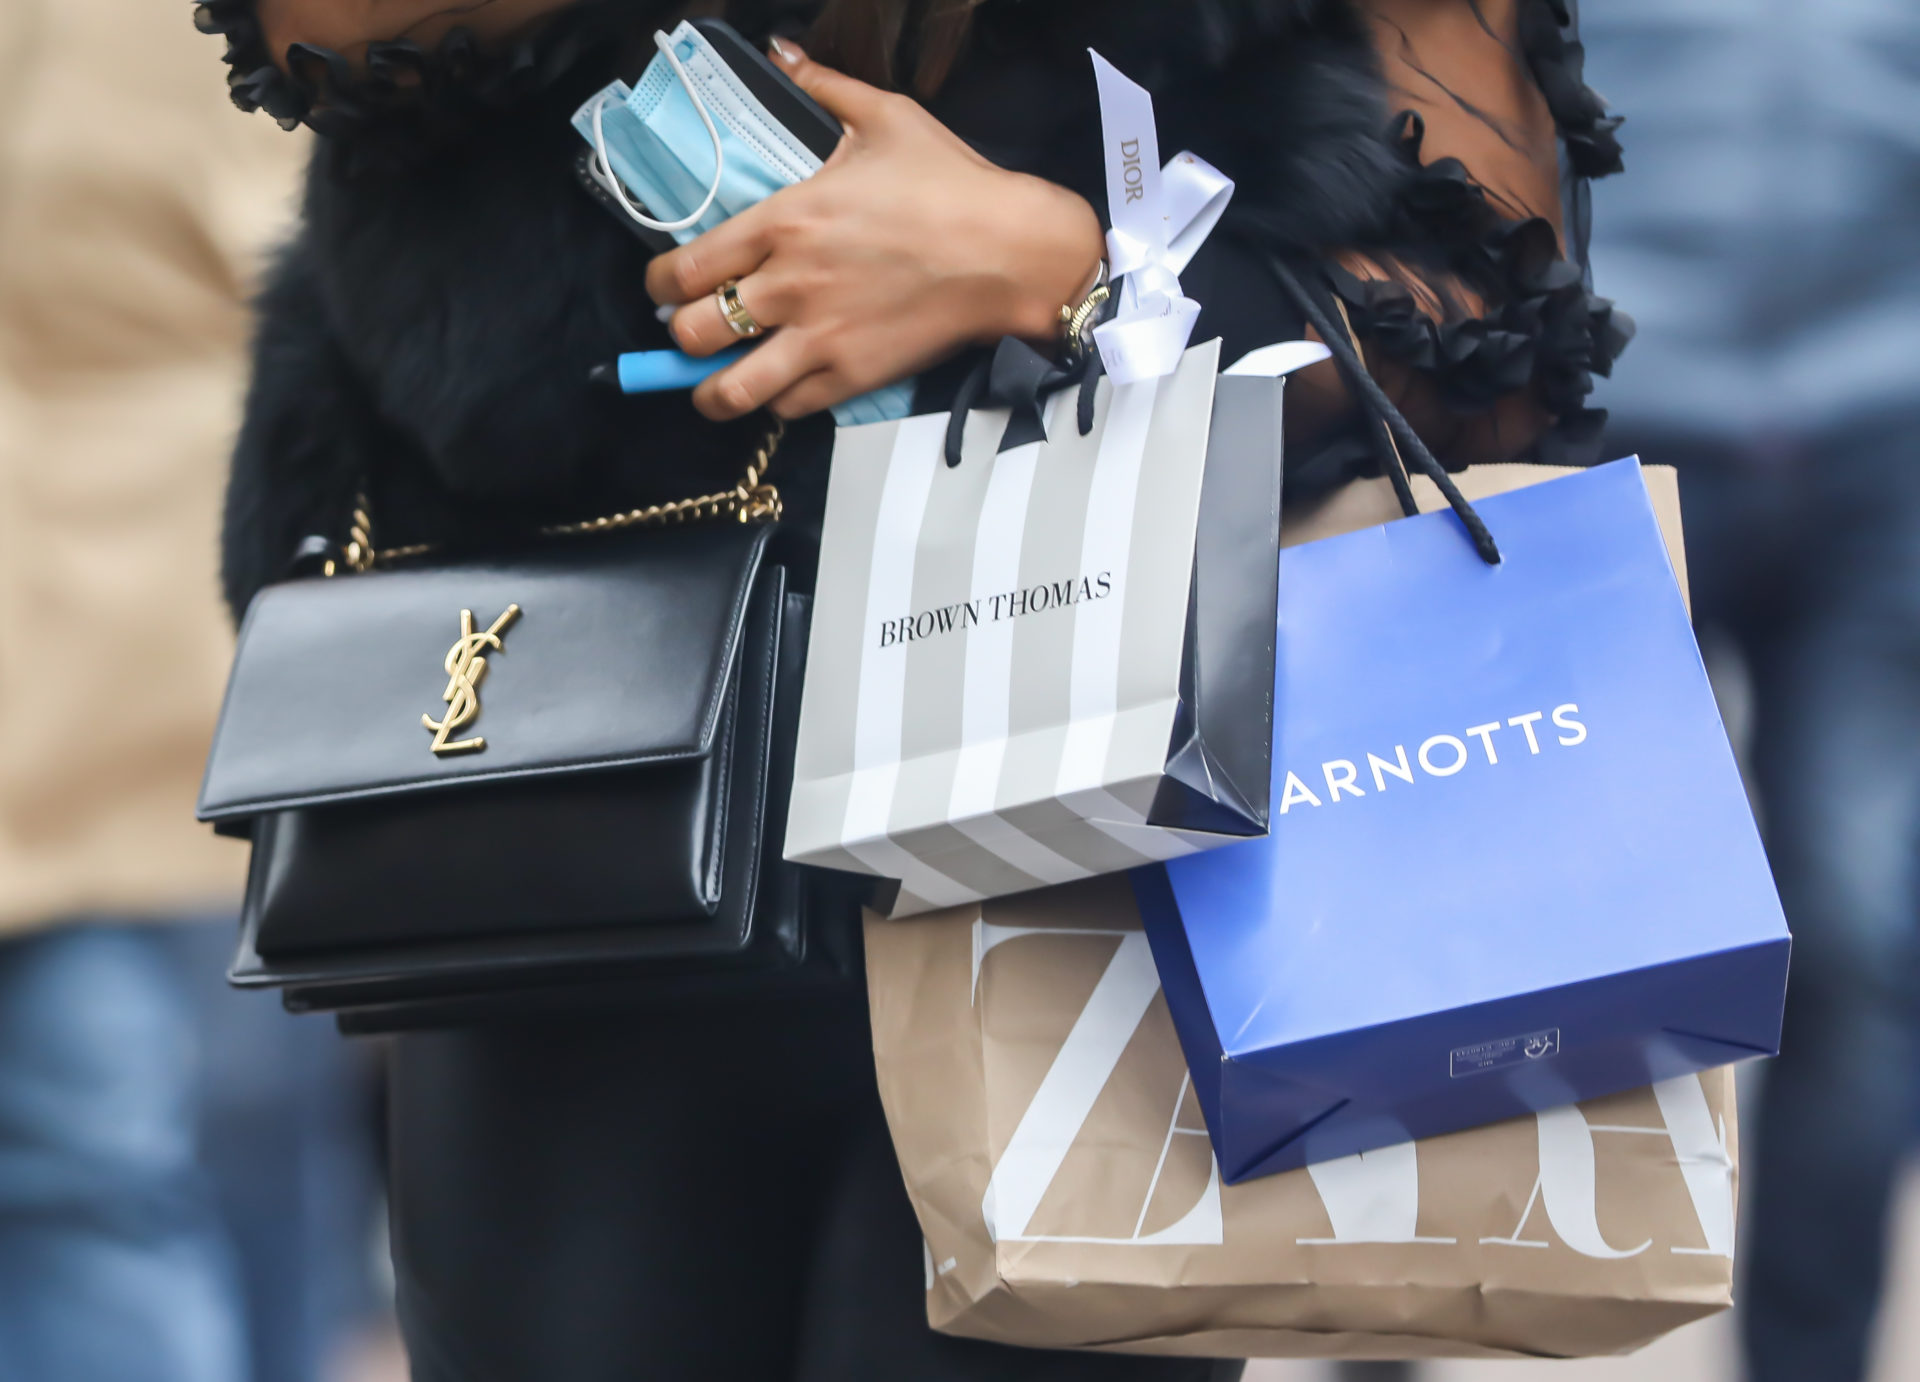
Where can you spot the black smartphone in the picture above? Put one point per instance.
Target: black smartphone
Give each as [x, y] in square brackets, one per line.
[805, 118]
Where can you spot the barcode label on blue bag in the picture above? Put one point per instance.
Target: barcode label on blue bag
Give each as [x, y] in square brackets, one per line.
[1484, 1056]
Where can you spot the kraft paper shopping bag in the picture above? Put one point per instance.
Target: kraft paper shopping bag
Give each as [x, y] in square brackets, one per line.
[1056, 1157]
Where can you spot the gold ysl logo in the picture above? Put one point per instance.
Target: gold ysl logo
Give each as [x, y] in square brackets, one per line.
[465, 667]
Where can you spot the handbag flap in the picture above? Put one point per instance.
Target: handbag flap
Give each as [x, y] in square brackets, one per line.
[618, 654]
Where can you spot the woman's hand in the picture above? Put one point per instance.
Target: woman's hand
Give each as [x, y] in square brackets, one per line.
[905, 247]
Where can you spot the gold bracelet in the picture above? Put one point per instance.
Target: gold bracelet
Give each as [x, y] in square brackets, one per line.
[1075, 320]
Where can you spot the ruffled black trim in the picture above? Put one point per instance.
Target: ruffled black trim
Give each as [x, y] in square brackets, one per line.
[253, 81]
[1559, 62]
[415, 93]
[1547, 331]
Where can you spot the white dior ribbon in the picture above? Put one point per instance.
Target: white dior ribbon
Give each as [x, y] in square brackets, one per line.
[1160, 216]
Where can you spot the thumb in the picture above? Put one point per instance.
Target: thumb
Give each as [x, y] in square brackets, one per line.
[847, 99]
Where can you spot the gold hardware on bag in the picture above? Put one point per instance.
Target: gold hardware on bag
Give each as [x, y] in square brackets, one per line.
[465, 667]
[751, 500]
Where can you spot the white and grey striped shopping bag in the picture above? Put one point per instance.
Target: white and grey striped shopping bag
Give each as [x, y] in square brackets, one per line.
[1025, 669]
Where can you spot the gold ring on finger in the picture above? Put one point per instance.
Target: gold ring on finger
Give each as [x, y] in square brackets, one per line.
[739, 319]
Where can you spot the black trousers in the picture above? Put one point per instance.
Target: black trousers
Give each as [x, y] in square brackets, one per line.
[706, 1194]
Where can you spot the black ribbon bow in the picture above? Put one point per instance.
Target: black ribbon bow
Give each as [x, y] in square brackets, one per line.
[1019, 378]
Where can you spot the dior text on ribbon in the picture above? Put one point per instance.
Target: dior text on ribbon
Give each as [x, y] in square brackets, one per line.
[1160, 216]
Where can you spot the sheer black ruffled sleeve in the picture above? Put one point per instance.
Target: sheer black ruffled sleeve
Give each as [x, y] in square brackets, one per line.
[1482, 303]
[1546, 330]
[413, 92]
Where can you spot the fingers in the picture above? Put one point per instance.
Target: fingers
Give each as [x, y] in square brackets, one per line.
[768, 371]
[821, 389]
[700, 327]
[740, 244]
[846, 98]
[732, 249]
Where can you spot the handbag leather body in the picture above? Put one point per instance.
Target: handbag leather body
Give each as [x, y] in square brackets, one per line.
[459, 812]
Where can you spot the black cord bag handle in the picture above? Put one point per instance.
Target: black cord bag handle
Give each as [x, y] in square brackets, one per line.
[1017, 377]
[1393, 436]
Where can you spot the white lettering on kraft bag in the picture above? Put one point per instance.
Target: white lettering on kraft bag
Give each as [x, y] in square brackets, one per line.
[1054, 1150]
[1369, 1197]
[1053, 1120]
[1006, 687]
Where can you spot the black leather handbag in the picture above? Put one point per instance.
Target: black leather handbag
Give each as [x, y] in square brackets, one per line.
[493, 785]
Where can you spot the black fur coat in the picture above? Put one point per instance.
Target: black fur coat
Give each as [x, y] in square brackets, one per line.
[427, 334]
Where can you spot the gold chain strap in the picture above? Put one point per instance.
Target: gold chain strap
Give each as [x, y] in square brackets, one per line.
[751, 500]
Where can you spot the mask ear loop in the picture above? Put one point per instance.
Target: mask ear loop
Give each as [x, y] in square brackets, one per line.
[605, 166]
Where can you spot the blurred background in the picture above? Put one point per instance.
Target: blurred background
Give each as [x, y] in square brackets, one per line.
[189, 1179]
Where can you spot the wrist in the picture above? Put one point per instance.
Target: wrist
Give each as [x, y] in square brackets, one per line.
[1059, 253]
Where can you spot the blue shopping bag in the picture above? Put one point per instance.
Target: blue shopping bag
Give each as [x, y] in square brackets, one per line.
[1512, 865]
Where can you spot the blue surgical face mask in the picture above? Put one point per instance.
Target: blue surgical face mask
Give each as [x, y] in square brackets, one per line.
[689, 141]
[692, 146]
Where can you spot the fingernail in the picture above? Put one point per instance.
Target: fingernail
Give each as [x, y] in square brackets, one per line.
[787, 51]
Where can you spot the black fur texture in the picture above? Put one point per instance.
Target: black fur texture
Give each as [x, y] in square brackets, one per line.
[428, 333]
